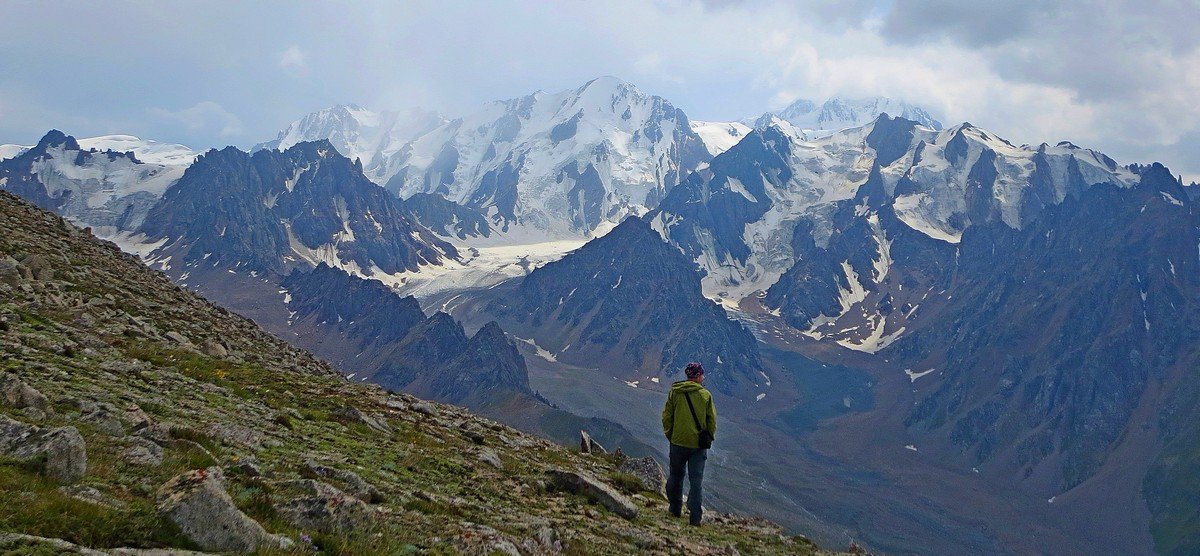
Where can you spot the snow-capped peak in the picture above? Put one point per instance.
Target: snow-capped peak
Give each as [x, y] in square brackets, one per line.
[839, 113]
[358, 132]
[145, 150]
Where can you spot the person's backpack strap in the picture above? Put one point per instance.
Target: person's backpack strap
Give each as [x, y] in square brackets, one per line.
[699, 428]
[705, 437]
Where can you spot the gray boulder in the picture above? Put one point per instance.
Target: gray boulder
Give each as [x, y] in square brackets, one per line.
[141, 451]
[62, 449]
[490, 457]
[588, 445]
[106, 418]
[351, 414]
[591, 487]
[9, 274]
[197, 503]
[17, 394]
[16, 543]
[647, 471]
[322, 507]
[351, 482]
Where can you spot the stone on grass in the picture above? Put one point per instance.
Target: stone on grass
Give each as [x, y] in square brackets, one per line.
[593, 488]
[351, 414]
[647, 471]
[197, 503]
[61, 450]
[143, 452]
[16, 543]
[588, 445]
[15, 393]
[350, 481]
[490, 457]
[323, 507]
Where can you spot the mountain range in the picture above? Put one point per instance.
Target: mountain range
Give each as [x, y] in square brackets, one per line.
[939, 309]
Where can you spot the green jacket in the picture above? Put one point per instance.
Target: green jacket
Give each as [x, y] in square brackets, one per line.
[677, 419]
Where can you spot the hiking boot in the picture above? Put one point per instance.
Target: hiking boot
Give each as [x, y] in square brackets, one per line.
[675, 512]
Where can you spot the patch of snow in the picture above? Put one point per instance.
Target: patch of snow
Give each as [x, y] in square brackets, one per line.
[913, 376]
[539, 350]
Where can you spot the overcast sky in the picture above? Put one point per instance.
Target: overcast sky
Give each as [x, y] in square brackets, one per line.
[1123, 77]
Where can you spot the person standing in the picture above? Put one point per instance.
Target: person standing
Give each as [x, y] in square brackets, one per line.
[689, 421]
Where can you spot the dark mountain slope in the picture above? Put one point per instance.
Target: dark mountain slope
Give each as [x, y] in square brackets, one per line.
[1058, 339]
[629, 304]
[272, 211]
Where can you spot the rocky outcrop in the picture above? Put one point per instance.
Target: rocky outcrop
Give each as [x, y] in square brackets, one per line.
[198, 504]
[647, 471]
[350, 481]
[351, 414]
[588, 445]
[61, 450]
[593, 488]
[323, 507]
[17, 394]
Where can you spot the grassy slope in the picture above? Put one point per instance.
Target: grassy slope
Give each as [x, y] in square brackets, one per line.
[97, 331]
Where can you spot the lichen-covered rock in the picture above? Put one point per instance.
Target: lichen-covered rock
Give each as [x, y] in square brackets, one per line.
[647, 471]
[15, 393]
[16, 543]
[591, 487]
[351, 414]
[92, 496]
[106, 418]
[197, 503]
[141, 451]
[323, 507]
[351, 482]
[481, 539]
[62, 450]
[490, 457]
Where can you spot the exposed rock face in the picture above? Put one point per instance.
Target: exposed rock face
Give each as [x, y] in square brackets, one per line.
[447, 218]
[631, 304]
[1055, 332]
[272, 211]
[62, 448]
[595, 489]
[197, 502]
[322, 507]
[141, 451]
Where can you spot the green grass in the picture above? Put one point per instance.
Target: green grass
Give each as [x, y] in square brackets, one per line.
[34, 505]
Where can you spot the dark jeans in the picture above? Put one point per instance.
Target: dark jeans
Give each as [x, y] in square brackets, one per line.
[693, 460]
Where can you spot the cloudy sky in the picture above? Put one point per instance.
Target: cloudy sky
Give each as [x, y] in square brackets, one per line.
[1123, 77]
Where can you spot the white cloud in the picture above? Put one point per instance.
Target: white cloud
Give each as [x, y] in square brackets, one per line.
[292, 59]
[203, 116]
[1118, 75]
